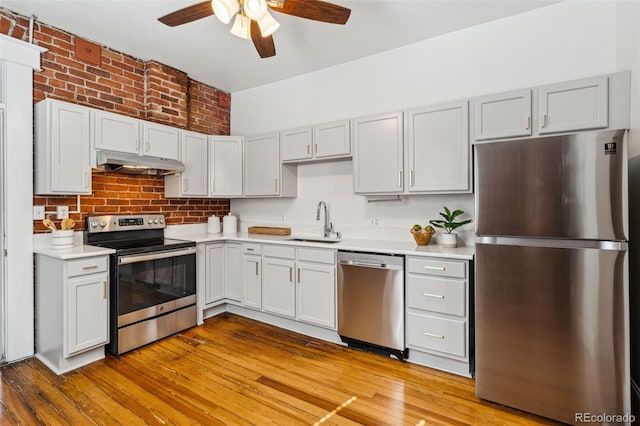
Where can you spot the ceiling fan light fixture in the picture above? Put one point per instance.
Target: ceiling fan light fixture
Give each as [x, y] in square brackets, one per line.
[276, 3]
[241, 27]
[255, 9]
[225, 9]
[268, 25]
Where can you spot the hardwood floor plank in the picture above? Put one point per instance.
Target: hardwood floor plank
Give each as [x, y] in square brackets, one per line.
[232, 371]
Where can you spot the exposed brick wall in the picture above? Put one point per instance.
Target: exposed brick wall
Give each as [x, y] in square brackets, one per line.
[126, 85]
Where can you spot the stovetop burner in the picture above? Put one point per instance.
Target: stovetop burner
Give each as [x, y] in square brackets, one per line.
[131, 234]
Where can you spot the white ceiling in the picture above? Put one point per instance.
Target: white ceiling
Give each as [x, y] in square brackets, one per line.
[209, 53]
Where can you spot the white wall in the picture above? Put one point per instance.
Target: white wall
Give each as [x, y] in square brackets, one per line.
[565, 41]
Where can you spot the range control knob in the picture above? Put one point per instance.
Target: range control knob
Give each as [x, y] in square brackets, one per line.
[155, 221]
[103, 223]
[150, 221]
[161, 220]
[94, 223]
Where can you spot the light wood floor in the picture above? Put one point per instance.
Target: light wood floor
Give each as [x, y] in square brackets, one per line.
[233, 370]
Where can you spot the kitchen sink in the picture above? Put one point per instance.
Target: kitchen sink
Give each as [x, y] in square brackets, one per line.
[315, 239]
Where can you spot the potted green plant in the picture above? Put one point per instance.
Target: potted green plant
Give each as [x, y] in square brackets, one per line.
[449, 238]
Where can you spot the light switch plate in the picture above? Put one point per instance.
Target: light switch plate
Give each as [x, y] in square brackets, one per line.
[38, 212]
[62, 212]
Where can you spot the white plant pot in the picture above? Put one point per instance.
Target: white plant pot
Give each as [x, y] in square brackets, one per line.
[449, 240]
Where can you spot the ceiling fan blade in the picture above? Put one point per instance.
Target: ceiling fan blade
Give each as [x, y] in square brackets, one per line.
[264, 45]
[315, 10]
[188, 14]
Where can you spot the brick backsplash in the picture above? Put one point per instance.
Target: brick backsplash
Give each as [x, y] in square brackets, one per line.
[125, 85]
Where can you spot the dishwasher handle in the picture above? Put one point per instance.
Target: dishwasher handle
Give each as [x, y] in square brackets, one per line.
[376, 265]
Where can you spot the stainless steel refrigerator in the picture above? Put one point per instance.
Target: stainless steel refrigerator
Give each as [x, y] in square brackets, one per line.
[551, 287]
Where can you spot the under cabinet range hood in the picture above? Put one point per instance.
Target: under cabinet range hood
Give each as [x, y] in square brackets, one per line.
[136, 164]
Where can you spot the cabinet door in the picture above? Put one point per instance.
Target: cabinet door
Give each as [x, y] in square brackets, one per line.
[161, 141]
[279, 290]
[504, 115]
[232, 272]
[225, 166]
[251, 281]
[215, 272]
[86, 322]
[576, 105]
[316, 294]
[193, 153]
[116, 132]
[297, 144]
[332, 139]
[262, 165]
[62, 148]
[438, 142]
[377, 154]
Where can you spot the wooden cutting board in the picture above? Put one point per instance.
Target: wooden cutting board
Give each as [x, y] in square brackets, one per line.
[269, 230]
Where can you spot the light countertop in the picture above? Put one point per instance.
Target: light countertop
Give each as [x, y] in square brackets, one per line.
[78, 251]
[377, 246]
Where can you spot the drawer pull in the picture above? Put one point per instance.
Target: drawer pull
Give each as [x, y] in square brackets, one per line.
[90, 267]
[250, 249]
[437, 336]
[436, 296]
[104, 289]
[290, 274]
[435, 268]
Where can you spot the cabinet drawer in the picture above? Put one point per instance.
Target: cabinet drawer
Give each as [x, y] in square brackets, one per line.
[249, 248]
[445, 268]
[87, 266]
[315, 255]
[279, 251]
[436, 334]
[436, 294]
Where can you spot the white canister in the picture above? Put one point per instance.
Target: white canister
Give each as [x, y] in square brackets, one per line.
[229, 224]
[62, 239]
[213, 225]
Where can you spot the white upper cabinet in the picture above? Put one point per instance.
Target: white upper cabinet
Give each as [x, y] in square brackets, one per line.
[297, 144]
[194, 181]
[62, 148]
[115, 132]
[262, 165]
[319, 142]
[575, 105]
[160, 140]
[225, 166]
[332, 140]
[378, 154]
[439, 153]
[504, 115]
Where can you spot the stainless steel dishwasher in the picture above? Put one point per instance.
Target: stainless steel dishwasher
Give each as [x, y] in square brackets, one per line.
[371, 302]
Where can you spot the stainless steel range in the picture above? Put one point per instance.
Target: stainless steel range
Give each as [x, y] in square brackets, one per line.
[153, 279]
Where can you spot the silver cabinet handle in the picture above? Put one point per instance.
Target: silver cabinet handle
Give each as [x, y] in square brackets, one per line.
[435, 268]
[290, 274]
[276, 185]
[257, 273]
[250, 249]
[104, 289]
[435, 296]
[527, 123]
[411, 177]
[316, 151]
[400, 178]
[543, 121]
[147, 146]
[298, 275]
[90, 267]
[308, 149]
[437, 336]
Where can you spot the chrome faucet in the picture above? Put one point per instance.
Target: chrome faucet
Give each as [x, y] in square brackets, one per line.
[328, 226]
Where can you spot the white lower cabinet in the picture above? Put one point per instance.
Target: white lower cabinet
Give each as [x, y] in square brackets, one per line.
[215, 272]
[251, 276]
[278, 287]
[232, 272]
[316, 293]
[72, 311]
[438, 318]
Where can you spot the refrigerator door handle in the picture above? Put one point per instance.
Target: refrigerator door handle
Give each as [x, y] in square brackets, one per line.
[553, 243]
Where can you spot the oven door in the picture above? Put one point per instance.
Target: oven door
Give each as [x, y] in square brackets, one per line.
[153, 284]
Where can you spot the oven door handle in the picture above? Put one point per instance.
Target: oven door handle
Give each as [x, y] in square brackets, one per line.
[134, 258]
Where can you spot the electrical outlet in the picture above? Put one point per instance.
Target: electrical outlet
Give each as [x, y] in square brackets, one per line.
[38, 212]
[375, 221]
[62, 212]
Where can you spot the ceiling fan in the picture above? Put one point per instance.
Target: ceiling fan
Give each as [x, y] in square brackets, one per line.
[253, 20]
